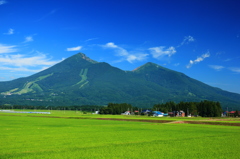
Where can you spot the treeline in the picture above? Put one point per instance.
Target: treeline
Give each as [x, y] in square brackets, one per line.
[203, 108]
[89, 108]
[115, 108]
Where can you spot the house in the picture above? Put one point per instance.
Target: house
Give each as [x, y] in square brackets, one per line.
[180, 113]
[224, 114]
[177, 113]
[171, 114]
[165, 114]
[189, 115]
[158, 113]
[96, 112]
[146, 112]
[126, 113]
[233, 113]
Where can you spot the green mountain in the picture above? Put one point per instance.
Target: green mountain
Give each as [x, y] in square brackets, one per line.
[78, 80]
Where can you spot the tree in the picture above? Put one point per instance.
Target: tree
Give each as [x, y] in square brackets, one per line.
[115, 108]
[236, 113]
[204, 108]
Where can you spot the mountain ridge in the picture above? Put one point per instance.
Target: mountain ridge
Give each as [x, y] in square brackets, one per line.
[79, 80]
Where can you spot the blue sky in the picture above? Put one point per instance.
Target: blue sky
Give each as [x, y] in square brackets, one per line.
[200, 38]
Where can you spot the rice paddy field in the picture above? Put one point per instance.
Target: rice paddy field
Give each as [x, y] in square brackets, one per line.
[72, 134]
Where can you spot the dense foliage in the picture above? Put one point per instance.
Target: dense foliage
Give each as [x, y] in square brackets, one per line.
[204, 108]
[115, 108]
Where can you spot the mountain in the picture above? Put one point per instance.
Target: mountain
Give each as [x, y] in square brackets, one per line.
[78, 80]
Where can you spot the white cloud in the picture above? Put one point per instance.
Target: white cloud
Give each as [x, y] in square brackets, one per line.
[176, 64]
[74, 48]
[235, 69]
[90, 39]
[10, 31]
[28, 39]
[158, 52]
[7, 48]
[130, 57]
[16, 62]
[20, 60]
[137, 57]
[199, 59]
[2, 2]
[216, 67]
[110, 45]
[22, 69]
[187, 40]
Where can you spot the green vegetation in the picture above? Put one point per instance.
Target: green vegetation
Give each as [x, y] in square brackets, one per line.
[27, 137]
[203, 108]
[32, 86]
[28, 87]
[46, 108]
[79, 80]
[83, 75]
[114, 108]
[10, 91]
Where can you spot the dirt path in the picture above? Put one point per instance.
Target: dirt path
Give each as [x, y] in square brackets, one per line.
[175, 121]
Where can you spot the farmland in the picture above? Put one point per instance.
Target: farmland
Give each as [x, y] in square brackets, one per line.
[71, 134]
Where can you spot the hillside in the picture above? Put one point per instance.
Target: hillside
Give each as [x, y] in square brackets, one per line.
[78, 80]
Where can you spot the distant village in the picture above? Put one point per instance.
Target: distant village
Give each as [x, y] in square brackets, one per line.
[176, 113]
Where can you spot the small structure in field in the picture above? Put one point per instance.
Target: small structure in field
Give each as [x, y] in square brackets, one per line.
[171, 114]
[233, 113]
[177, 113]
[146, 112]
[165, 114]
[180, 113]
[126, 113]
[158, 113]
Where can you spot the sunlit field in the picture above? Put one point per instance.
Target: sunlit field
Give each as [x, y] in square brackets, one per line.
[59, 135]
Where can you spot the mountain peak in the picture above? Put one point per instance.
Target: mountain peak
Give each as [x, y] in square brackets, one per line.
[148, 65]
[83, 56]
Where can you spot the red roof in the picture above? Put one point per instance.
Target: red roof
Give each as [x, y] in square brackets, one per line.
[232, 112]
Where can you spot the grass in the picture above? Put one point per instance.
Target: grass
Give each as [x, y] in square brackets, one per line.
[28, 137]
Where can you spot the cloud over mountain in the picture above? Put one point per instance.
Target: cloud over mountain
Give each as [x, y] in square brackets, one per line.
[77, 48]
[199, 59]
[158, 52]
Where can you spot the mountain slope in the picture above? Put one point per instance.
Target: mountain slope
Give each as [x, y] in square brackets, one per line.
[79, 80]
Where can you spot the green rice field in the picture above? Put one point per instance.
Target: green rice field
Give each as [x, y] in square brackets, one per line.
[76, 135]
